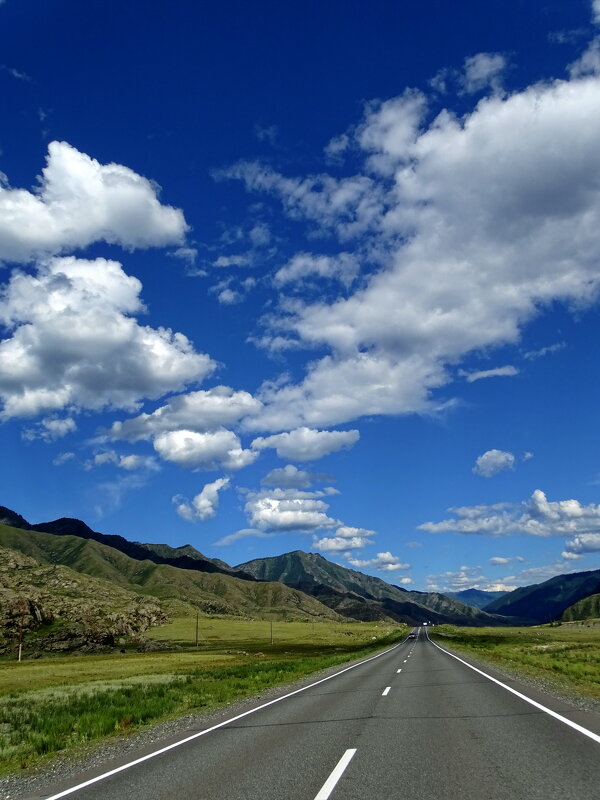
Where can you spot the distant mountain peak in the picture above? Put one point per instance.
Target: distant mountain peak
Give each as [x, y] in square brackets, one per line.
[10, 517]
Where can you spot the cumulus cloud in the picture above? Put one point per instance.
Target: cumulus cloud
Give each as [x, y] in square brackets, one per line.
[74, 343]
[501, 560]
[483, 71]
[80, 201]
[466, 577]
[130, 462]
[50, 429]
[219, 449]
[195, 411]
[343, 267]
[537, 516]
[346, 538]
[290, 477]
[480, 223]
[492, 462]
[588, 63]
[204, 505]
[583, 543]
[332, 544]
[383, 562]
[288, 510]
[497, 372]
[306, 444]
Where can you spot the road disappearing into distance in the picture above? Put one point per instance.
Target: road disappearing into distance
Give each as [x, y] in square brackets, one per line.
[412, 722]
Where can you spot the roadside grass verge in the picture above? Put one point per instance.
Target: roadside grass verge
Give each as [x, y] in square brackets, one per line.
[567, 657]
[57, 705]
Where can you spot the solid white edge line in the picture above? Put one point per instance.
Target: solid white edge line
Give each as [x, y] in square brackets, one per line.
[172, 746]
[337, 773]
[386, 691]
[593, 736]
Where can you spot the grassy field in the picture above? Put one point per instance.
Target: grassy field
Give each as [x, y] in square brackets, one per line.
[58, 704]
[566, 655]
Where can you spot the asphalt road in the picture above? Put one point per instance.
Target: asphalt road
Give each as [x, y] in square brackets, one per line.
[412, 723]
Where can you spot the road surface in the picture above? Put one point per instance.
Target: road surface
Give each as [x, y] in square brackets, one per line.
[411, 723]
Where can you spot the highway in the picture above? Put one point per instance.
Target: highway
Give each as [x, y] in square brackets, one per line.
[412, 722]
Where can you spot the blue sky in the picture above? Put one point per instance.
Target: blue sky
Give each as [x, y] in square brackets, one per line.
[321, 277]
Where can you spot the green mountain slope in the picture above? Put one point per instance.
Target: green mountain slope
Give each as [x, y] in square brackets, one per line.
[586, 608]
[185, 557]
[362, 596]
[211, 593]
[543, 602]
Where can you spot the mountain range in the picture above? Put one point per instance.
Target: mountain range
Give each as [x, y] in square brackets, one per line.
[294, 585]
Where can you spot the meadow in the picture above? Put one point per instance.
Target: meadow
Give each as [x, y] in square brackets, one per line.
[565, 655]
[59, 704]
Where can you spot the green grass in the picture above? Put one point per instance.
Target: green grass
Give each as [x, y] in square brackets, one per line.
[56, 705]
[568, 656]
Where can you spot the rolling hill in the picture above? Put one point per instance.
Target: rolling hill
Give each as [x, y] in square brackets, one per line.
[544, 602]
[587, 608]
[209, 592]
[361, 596]
[185, 557]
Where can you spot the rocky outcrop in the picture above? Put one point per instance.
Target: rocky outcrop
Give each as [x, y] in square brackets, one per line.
[51, 608]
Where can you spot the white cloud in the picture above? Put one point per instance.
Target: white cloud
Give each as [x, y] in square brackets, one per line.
[338, 543]
[242, 260]
[245, 533]
[135, 462]
[588, 64]
[305, 444]
[480, 72]
[62, 458]
[480, 222]
[483, 71]
[187, 254]
[288, 510]
[346, 538]
[195, 411]
[531, 355]
[80, 201]
[336, 146]
[536, 516]
[211, 450]
[497, 372]
[50, 429]
[204, 505]
[583, 543]
[75, 344]
[501, 561]
[290, 477]
[492, 462]
[343, 267]
[596, 11]
[527, 456]
[131, 463]
[384, 562]
[464, 578]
